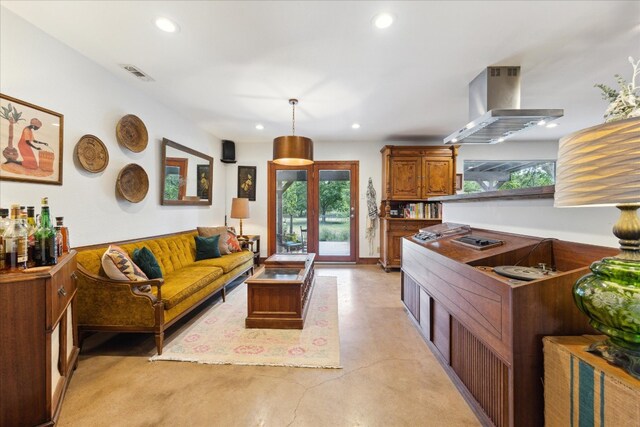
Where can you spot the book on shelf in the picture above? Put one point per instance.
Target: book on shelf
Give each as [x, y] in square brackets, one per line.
[420, 210]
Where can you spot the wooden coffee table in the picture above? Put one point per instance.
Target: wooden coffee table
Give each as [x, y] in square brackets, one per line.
[278, 295]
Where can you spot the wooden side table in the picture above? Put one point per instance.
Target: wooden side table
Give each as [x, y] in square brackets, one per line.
[251, 242]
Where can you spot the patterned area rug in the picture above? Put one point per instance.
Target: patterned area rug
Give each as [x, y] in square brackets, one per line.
[219, 336]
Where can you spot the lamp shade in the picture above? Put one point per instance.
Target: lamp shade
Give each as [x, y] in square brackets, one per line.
[292, 150]
[240, 208]
[600, 165]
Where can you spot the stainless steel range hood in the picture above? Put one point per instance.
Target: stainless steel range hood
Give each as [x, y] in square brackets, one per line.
[494, 109]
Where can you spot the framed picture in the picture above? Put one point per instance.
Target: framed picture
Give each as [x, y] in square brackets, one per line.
[247, 182]
[30, 142]
[458, 181]
[203, 181]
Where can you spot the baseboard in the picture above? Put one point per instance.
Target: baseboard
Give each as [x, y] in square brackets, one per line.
[370, 261]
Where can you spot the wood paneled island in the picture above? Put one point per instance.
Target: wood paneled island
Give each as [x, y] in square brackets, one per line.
[487, 329]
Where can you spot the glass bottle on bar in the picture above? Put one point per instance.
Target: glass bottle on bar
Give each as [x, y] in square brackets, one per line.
[15, 243]
[4, 224]
[65, 235]
[31, 236]
[46, 252]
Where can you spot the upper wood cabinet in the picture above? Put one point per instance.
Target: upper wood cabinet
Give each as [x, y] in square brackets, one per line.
[417, 173]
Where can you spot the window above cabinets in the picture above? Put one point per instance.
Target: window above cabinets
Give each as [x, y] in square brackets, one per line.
[499, 175]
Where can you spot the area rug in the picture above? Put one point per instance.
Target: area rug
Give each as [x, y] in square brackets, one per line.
[220, 337]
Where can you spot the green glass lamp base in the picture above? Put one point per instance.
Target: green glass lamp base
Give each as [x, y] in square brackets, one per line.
[610, 297]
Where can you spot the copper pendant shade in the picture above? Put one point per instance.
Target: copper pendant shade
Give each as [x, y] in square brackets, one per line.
[293, 150]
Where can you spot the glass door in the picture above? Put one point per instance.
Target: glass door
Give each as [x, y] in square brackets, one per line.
[314, 209]
[335, 225]
[291, 210]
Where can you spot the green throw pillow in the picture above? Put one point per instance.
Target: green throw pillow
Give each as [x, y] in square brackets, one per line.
[207, 247]
[147, 262]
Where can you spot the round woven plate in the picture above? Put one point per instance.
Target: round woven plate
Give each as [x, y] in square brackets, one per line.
[133, 183]
[132, 133]
[92, 154]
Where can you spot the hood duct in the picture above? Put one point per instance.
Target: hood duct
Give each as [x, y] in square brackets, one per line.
[494, 109]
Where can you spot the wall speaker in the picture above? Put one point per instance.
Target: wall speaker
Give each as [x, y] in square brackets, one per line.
[228, 151]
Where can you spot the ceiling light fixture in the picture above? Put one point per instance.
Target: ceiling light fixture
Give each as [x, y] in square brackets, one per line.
[259, 126]
[166, 25]
[552, 125]
[355, 126]
[293, 150]
[383, 20]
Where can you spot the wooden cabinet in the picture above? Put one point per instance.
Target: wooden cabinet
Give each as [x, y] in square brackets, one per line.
[486, 329]
[392, 232]
[410, 176]
[39, 348]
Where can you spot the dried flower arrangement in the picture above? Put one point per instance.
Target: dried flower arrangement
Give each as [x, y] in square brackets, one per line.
[624, 104]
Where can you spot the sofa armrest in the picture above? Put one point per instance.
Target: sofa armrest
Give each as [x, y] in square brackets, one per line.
[103, 301]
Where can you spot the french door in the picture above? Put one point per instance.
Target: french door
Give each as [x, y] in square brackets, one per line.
[314, 209]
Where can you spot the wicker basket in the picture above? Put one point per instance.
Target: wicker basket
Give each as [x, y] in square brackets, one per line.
[133, 183]
[132, 133]
[45, 160]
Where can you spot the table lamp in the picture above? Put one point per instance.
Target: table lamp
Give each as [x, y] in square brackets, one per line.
[600, 166]
[240, 210]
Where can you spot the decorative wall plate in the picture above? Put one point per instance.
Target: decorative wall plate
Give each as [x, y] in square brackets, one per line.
[132, 133]
[92, 154]
[133, 183]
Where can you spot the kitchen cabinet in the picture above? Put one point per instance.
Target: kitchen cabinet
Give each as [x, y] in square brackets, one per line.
[410, 176]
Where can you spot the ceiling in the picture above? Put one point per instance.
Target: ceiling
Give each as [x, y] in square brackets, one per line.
[235, 64]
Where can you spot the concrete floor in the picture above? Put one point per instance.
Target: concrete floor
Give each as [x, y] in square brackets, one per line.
[390, 378]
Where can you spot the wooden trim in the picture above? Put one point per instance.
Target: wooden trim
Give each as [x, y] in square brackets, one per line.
[368, 261]
[545, 192]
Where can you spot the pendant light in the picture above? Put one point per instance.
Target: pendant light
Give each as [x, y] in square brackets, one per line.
[293, 150]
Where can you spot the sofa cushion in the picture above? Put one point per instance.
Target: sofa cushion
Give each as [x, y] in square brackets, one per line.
[207, 247]
[232, 242]
[183, 283]
[214, 231]
[118, 266]
[228, 262]
[172, 253]
[145, 259]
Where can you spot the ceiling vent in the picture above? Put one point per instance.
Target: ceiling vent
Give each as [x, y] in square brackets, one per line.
[137, 72]
[494, 109]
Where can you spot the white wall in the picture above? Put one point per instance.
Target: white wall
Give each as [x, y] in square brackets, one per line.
[258, 154]
[40, 70]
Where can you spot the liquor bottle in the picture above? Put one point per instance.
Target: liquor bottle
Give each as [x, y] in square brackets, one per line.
[59, 240]
[31, 238]
[4, 223]
[45, 250]
[65, 235]
[15, 242]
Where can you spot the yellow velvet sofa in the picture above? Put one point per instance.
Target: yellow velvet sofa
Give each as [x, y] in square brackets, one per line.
[110, 305]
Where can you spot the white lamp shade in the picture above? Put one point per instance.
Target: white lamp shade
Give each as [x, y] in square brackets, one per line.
[600, 165]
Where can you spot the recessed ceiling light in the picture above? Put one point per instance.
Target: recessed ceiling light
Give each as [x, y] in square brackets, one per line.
[55, 124]
[500, 139]
[542, 123]
[454, 140]
[552, 125]
[383, 20]
[355, 126]
[166, 25]
[259, 126]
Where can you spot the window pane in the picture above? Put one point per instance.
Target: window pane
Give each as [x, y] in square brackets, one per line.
[291, 211]
[334, 202]
[495, 175]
